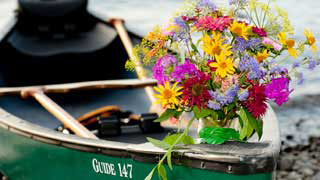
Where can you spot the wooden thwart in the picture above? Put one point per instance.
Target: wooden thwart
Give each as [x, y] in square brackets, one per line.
[64, 88]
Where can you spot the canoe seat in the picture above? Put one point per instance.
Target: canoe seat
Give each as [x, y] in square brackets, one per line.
[47, 17]
[108, 121]
[52, 8]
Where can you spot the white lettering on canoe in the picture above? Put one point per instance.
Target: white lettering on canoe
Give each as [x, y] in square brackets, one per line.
[125, 170]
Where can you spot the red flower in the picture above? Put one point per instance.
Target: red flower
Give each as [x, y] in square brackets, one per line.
[195, 91]
[208, 64]
[189, 19]
[259, 31]
[256, 102]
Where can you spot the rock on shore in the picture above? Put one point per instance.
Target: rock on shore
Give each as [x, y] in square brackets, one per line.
[301, 162]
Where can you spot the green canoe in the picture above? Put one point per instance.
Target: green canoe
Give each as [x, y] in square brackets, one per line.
[31, 148]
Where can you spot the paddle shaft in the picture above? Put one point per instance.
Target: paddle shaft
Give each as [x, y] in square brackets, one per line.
[118, 24]
[59, 113]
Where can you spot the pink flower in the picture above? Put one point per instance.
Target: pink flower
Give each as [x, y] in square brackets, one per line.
[274, 44]
[259, 31]
[225, 85]
[217, 79]
[208, 23]
[173, 120]
[278, 90]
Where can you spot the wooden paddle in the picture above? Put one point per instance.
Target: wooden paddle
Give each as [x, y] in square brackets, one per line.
[118, 24]
[58, 112]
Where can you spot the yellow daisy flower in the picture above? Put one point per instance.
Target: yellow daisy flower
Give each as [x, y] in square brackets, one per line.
[289, 43]
[224, 66]
[261, 56]
[168, 95]
[311, 40]
[240, 29]
[214, 46]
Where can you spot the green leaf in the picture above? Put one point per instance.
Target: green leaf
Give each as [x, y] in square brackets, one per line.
[162, 172]
[214, 115]
[150, 174]
[201, 113]
[217, 135]
[237, 71]
[171, 139]
[246, 129]
[231, 106]
[242, 78]
[249, 123]
[194, 47]
[158, 143]
[169, 159]
[168, 114]
[188, 140]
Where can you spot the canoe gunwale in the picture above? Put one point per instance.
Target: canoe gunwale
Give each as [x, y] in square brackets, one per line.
[7, 28]
[227, 163]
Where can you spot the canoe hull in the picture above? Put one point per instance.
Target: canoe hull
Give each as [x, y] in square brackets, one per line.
[23, 158]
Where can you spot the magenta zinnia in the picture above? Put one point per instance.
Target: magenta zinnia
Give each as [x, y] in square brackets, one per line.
[210, 23]
[163, 64]
[184, 71]
[259, 31]
[195, 91]
[256, 102]
[278, 90]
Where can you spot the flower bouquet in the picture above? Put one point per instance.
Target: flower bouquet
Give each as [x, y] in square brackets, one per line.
[223, 64]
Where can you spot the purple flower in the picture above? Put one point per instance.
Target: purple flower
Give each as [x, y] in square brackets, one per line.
[296, 64]
[248, 63]
[182, 33]
[207, 3]
[167, 60]
[233, 91]
[242, 44]
[275, 69]
[187, 69]
[278, 70]
[278, 90]
[243, 95]
[228, 97]
[231, 2]
[312, 64]
[180, 22]
[214, 105]
[160, 68]
[300, 77]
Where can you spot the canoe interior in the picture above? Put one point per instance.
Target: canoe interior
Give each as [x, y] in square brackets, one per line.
[20, 69]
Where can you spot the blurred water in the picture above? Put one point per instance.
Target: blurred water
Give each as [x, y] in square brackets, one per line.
[142, 15]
